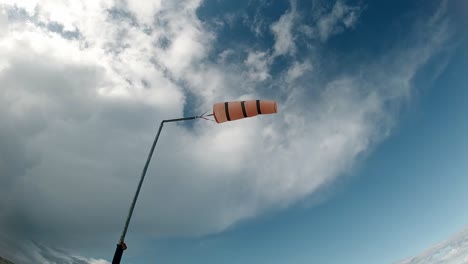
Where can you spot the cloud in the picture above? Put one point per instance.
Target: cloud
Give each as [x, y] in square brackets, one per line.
[37, 253]
[340, 16]
[3, 22]
[258, 64]
[144, 10]
[282, 29]
[329, 22]
[452, 251]
[297, 70]
[78, 116]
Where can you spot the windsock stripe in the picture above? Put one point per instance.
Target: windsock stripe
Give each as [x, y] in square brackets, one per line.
[259, 111]
[243, 109]
[226, 109]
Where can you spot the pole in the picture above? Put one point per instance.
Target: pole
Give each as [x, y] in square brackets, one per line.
[121, 246]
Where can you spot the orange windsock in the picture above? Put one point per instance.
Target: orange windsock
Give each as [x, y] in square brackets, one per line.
[229, 111]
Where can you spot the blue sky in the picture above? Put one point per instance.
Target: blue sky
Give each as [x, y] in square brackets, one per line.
[366, 161]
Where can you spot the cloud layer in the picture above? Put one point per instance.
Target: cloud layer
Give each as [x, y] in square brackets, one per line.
[85, 84]
[452, 251]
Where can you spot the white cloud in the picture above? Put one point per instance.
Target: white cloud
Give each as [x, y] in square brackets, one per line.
[328, 22]
[145, 10]
[37, 253]
[282, 29]
[452, 251]
[297, 70]
[78, 115]
[334, 21]
[258, 64]
[3, 22]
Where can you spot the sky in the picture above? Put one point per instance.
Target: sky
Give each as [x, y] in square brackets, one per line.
[365, 162]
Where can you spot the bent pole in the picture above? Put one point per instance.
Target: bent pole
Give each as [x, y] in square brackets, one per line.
[121, 245]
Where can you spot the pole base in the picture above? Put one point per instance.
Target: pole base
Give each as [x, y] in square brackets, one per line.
[121, 246]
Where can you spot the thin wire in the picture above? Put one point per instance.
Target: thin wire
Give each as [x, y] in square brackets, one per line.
[204, 113]
[207, 119]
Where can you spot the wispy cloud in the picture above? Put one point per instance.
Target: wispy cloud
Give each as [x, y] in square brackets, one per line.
[31, 252]
[258, 64]
[339, 18]
[282, 29]
[328, 21]
[452, 251]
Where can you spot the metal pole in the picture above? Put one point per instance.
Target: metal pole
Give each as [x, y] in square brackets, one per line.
[121, 245]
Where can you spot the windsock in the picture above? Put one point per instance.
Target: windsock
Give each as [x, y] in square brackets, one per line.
[229, 111]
